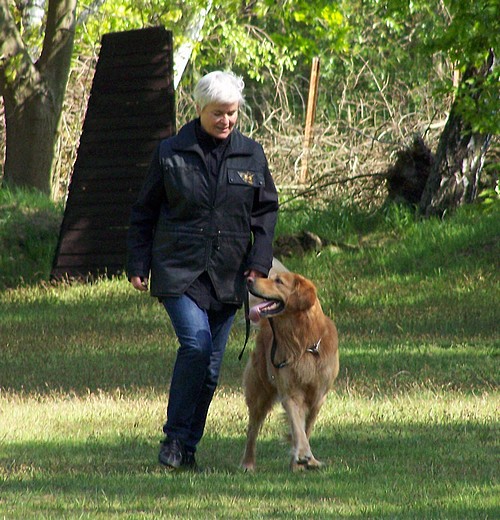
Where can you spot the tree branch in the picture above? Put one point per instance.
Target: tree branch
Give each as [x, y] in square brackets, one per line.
[59, 32]
[16, 66]
[317, 186]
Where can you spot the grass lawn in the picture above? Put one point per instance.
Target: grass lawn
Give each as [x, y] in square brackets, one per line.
[421, 454]
[410, 430]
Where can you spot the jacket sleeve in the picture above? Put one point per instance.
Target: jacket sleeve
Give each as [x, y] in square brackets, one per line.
[263, 222]
[143, 219]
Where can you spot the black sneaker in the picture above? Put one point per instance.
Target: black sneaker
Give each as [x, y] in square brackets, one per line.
[171, 453]
[189, 462]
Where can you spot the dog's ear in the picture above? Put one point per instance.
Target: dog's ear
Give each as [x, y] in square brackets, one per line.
[303, 295]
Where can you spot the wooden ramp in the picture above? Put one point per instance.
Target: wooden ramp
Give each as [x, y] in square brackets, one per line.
[131, 107]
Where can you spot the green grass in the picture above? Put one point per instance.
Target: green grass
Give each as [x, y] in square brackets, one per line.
[416, 455]
[410, 431]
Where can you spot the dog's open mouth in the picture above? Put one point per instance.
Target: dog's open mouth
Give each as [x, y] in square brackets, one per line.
[265, 309]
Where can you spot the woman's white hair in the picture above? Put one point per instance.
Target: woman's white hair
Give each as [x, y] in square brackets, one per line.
[219, 87]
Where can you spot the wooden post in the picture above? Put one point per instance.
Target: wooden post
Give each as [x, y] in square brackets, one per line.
[310, 115]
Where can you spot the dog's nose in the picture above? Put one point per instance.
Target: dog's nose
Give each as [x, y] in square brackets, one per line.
[250, 280]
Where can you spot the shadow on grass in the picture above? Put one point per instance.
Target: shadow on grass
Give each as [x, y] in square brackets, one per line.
[390, 470]
[107, 337]
[374, 365]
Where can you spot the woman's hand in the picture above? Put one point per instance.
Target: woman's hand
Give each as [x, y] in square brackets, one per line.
[141, 284]
[252, 274]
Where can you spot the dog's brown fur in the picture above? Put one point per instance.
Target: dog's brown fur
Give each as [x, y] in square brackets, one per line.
[302, 383]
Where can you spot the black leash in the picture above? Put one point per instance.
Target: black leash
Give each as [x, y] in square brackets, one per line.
[274, 347]
[247, 322]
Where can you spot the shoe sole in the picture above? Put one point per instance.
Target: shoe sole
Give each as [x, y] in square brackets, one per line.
[168, 464]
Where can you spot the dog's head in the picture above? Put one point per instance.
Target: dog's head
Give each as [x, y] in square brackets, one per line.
[282, 293]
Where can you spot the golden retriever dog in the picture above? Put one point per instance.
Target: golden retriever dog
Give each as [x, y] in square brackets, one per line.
[295, 361]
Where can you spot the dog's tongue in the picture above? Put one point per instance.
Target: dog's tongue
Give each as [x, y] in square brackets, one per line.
[254, 313]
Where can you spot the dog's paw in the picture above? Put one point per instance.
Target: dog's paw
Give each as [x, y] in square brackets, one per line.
[299, 463]
[248, 467]
[313, 463]
[304, 463]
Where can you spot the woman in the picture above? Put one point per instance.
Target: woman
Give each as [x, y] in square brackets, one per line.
[204, 220]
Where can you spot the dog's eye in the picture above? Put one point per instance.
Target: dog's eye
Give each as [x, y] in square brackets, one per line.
[278, 280]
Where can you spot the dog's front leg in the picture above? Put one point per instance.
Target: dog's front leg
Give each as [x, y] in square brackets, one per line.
[313, 414]
[301, 451]
[259, 405]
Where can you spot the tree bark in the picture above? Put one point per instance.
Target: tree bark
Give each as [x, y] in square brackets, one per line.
[33, 94]
[459, 159]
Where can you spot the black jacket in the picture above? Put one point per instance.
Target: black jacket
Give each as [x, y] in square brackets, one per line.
[177, 231]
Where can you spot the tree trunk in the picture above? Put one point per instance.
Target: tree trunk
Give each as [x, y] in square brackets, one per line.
[31, 133]
[454, 178]
[459, 159]
[33, 94]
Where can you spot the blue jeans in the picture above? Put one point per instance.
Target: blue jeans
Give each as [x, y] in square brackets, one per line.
[202, 336]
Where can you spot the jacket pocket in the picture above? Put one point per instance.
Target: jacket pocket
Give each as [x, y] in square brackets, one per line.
[185, 187]
[249, 178]
[241, 187]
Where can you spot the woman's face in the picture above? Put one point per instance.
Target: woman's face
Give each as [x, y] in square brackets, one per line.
[218, 119]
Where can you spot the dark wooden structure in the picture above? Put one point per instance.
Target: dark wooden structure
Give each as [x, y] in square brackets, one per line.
[131, 107]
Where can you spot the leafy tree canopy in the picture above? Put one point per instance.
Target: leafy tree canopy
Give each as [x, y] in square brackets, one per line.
[410, 43]
[465, 32]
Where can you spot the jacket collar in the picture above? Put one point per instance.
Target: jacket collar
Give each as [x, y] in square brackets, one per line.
[186, 141]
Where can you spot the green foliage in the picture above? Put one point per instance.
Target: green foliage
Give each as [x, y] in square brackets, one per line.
[464, 32]
[478, 100]
[29, 227]
[489, 198]
[387, 36]
[265, 38]
[237, 42]
[472, 28]
[118, 15]
[269, 37]
[13, 68]
[304, 29]
[32, 35]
